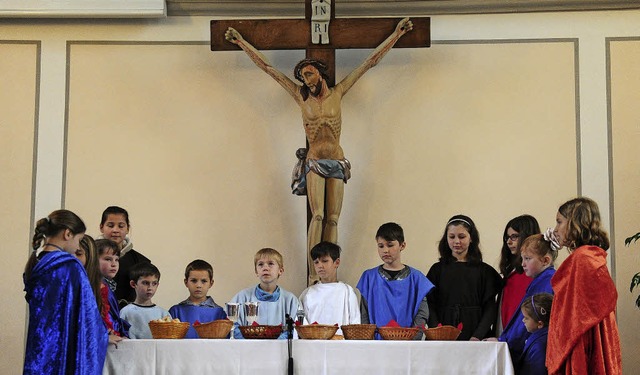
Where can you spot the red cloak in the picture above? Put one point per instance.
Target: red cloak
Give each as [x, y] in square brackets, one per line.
[583, 333]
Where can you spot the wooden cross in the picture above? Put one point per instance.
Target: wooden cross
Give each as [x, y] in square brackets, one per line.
[344, 33]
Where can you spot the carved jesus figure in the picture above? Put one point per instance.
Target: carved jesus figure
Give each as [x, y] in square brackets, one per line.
[326, 168]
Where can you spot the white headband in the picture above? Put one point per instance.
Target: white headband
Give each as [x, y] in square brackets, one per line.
[463, 220]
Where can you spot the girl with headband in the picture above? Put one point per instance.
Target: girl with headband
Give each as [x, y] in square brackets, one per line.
[465, 287]
[536, 311]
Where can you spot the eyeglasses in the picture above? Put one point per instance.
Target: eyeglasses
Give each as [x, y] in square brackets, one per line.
[514, 237]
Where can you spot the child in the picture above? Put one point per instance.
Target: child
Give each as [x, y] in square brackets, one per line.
[393, 291]
[87, 254]
[537, 261]
[330, 301]
[145, 278]
[583, 288]
[109, 255]
[514, 281]
[275, 302]
[535, 311]
[114, 225]
[198, 278]
[65, 334]
[465, 287]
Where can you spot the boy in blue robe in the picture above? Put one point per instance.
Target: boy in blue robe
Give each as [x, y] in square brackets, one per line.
[198, 278]
[393, 291]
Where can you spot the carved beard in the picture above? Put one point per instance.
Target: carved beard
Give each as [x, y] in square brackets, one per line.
[318, 89]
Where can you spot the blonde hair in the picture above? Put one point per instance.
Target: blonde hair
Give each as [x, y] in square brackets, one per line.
[538, 246]
[268, 253]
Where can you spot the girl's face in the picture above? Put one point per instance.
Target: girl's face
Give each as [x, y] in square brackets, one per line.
[459, 240]
[82, 256]
[115, 228]
[72, 242]
[530, 323]
[109, 264]
[268, 270]
[512, 240]
[389, 252]
[534, 264]
[560, 231]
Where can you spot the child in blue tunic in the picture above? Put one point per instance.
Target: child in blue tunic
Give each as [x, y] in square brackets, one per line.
[198, 278]
[537, 261]
[393, 291]
[66, 334]
[536, 311]
[274, 302]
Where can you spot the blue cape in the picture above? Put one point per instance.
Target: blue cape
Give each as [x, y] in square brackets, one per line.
[66, 334]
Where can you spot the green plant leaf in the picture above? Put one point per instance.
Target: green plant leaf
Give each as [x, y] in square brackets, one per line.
[633, 238]
[635, 281]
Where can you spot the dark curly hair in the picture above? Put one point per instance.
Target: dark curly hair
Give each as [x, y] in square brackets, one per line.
[297, 72]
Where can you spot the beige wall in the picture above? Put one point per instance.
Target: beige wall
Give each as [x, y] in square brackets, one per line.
[18, 80]
[625, 131]
[502, 115]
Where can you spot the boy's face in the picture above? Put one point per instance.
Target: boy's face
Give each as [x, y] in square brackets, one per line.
[145, 287]
[389, 252]
[198, 284]
[109, 264]
[530, 323]
[326, 268]
[268, 270]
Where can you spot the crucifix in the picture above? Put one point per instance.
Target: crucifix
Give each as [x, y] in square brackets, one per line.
[323, 169]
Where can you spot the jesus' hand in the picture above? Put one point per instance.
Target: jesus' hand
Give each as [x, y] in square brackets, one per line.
[404, 26]
[233, 35]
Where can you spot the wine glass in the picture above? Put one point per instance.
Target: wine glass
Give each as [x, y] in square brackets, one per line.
[251, 312]
[232, 314]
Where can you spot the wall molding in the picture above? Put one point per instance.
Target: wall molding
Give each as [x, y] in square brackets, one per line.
[355, 8]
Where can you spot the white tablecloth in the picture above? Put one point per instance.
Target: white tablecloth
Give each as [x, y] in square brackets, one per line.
[252, 357]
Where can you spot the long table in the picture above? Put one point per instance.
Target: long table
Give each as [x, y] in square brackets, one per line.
[141, 357]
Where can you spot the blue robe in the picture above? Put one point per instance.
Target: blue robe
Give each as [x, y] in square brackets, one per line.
[515, 333]
[393, 299]
[533, 357]
[205, 312]
[66, 334]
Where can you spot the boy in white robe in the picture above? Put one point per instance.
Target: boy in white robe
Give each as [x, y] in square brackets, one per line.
[330, 301]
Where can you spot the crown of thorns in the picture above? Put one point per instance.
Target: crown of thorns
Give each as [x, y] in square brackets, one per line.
[322, 68]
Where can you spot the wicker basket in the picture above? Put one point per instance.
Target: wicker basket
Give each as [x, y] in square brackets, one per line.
[168, 330]
[398, 333]
[442, 333]
[260, 332]
[358, 331]
[217, 329]
[316, 331]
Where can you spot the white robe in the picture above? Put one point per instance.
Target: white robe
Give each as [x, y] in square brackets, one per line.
[331, 303]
